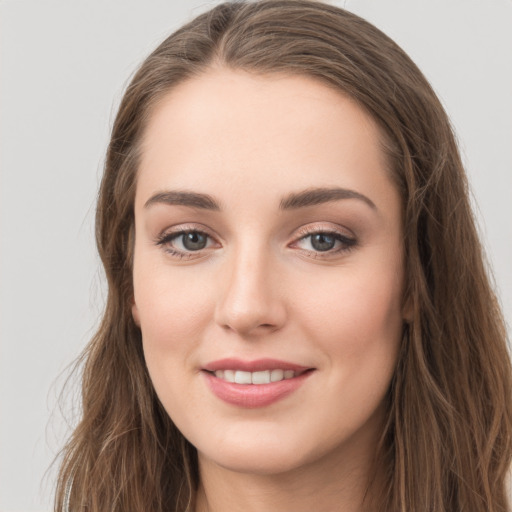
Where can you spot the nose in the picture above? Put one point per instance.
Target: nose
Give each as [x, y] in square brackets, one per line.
[251, 299]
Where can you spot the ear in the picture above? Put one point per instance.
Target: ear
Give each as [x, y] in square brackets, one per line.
[135, 313]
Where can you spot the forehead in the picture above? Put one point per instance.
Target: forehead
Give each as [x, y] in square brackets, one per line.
[231, 130]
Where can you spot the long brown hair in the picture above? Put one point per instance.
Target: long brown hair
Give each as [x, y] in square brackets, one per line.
[446, 444]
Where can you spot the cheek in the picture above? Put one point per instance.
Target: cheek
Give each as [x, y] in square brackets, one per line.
[173, 313]
[172, 306]
[357, 316]
[358, 329]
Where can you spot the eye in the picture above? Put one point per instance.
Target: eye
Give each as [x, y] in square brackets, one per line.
[185, 242]
[323, 243]
[192, 241]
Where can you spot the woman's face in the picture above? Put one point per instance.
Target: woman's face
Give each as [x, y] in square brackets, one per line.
[269, 252]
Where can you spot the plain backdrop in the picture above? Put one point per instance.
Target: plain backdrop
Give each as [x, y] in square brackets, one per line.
[64, 65]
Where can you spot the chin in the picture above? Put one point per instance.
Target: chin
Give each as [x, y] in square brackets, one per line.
[260, 455]
[262, 462]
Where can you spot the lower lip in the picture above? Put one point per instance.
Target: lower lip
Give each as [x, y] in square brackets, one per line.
[252, 396]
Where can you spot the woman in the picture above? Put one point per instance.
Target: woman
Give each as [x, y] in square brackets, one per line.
[299, 316]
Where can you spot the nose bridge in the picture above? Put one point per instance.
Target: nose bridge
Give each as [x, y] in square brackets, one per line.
[249, 301]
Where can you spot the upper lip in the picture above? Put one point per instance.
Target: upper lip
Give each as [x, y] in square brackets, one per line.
[253, 366]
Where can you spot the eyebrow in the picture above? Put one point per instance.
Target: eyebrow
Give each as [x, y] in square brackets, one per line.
[295, 200]
[192, 199]
[315, 196]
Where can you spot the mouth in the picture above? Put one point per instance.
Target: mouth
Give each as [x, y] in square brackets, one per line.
[258, 377]
[255, 383]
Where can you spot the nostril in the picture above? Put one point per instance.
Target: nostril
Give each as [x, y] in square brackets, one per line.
[245, 329]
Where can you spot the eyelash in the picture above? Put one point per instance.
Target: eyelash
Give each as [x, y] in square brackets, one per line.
[164, 240]
[347, 244]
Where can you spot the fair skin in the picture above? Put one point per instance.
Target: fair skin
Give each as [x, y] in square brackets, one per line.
[267, 271]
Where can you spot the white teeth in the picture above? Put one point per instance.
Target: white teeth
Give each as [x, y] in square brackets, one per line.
[261, 377]
[243, 377]
[229, 375]
[276, 375]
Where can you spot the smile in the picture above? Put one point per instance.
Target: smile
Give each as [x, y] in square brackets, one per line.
[260, 377]
[252, 384]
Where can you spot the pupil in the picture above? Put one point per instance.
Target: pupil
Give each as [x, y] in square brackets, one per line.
[194, 241]
[323, 242]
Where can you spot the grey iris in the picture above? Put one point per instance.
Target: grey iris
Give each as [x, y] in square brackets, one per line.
[194, 241]
[322, 242]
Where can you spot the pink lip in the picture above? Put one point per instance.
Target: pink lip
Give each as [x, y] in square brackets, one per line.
[252, 396]
[252, 366]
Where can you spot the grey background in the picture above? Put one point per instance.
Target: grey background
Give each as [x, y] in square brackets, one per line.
[63, 68]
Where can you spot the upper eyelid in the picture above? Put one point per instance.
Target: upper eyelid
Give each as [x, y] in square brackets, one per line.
[308, 229]
[337, 235]
[166, 237]
[296, 235]
[185, 228]
[303, 230]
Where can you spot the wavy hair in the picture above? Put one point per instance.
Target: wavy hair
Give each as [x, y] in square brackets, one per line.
[446, 443]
